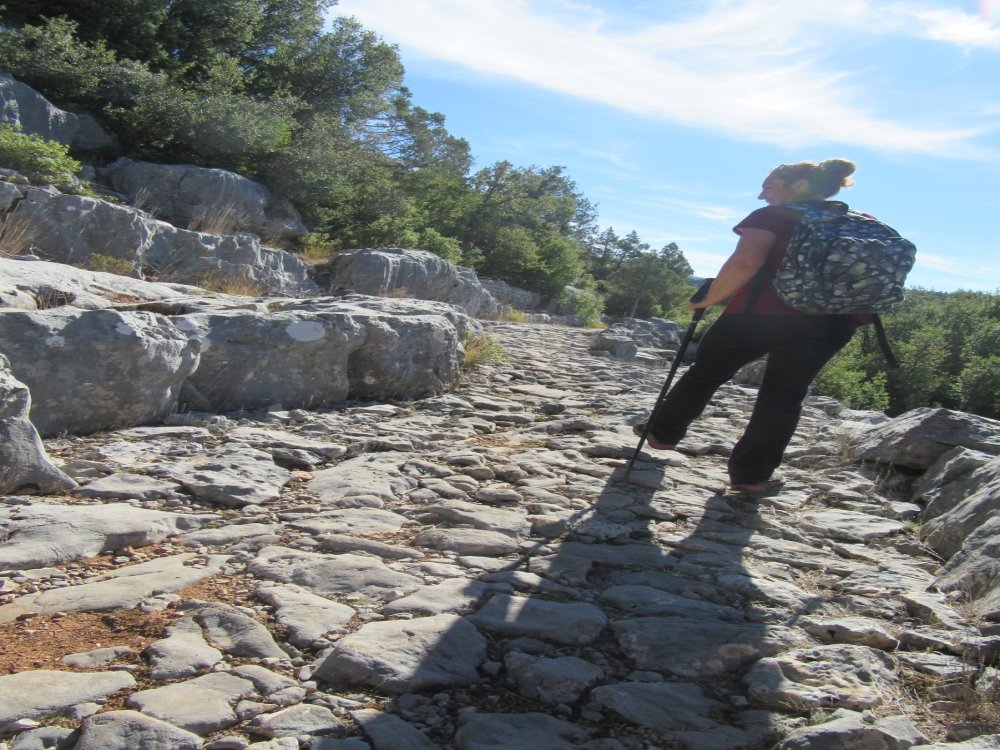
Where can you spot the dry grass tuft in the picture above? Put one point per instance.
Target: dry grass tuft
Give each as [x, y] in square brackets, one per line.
[17, 235]
[221, 219]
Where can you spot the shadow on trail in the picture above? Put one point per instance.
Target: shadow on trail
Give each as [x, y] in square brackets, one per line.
[637, 616]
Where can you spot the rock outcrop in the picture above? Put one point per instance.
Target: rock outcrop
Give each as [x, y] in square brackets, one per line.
[140, 352]
[408, 273]
[24, 464]
[653, 341]
[70, 229]
[34, 114]
[204, 227]
[204, 199]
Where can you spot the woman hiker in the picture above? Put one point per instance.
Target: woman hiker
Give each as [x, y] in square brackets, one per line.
[756, 323]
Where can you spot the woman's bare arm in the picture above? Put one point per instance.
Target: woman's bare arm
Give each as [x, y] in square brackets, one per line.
[749, 257]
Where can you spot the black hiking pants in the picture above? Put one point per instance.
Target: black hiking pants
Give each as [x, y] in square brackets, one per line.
[797, 347]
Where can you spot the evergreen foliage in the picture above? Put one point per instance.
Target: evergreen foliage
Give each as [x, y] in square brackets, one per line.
[948, 346]
[37, 159]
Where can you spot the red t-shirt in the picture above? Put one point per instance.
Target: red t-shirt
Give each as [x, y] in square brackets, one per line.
[781, 221]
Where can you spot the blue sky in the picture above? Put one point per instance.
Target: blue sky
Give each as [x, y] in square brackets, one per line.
[668, 115]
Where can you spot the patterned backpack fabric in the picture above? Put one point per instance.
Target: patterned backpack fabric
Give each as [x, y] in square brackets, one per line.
[843, 262]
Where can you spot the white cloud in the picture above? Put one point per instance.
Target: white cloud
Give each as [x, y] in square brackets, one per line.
[751, 68]
[964, 273]
[949, 25]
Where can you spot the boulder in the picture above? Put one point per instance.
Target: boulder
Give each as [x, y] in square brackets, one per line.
[71, 228]
[92, 370]
[24, 464]
[204, 199]
[751, 374]
[308, 353]
[916, 439]
[618, 345]
[948, 481]
[653, 340]
[505, 294]
[36, 115]
[970, 502]
[408, 273]
[975, 570]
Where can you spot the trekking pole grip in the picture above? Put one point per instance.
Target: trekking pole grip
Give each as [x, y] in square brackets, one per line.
[699, 295]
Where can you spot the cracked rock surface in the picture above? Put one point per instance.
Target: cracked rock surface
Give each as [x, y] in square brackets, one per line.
[472, 571]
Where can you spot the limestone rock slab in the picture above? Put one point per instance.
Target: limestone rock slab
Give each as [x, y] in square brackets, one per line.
[307, 616]
[332, 574]
[232, 631]
[121, 589]
[201, 705]
[559, 622]
[127, 730]
[231, 477]
[836, 676]
[536, 730]
[37, 693]
[48, 534]
[398, 656]
[661, 705]
[708, 647]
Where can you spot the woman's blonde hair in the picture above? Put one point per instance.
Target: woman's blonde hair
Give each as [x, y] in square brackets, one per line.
[825, 179]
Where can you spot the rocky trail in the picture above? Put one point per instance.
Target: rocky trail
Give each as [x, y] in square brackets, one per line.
[469, 572]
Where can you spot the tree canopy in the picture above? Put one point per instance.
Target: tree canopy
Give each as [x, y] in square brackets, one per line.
[315, 106]
[948, 346]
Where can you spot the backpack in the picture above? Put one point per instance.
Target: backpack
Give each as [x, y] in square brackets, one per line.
[841, 261]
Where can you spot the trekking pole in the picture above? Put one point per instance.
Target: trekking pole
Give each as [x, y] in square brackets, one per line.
[696, 297]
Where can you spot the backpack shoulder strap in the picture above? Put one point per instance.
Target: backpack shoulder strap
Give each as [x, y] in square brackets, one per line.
[763, 277]
[883, 343]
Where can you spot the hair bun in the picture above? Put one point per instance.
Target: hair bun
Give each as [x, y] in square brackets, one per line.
[841, 168]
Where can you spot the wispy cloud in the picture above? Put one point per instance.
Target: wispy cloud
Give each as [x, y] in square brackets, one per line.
[970, 275]
[967, 30]
[755, 69]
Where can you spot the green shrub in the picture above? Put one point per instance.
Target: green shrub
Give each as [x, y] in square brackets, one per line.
[584, 303]
[162, 120]
[316, 247]
[109, 264]
[514, 316]
[855, 388]
[50, 58]
[433, 241]
[39, 160]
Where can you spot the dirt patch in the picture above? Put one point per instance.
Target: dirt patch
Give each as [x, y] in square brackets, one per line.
[41, 641]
